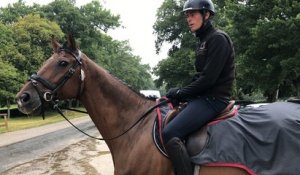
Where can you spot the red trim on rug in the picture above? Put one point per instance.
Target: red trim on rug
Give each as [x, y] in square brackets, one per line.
[234, 165]
[219, 120]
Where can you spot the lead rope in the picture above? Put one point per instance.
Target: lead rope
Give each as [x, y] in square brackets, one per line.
[55, 105]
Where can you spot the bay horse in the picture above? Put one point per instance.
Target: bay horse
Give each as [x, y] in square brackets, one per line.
[112, 105]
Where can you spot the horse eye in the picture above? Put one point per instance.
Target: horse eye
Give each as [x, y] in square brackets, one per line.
[63, 63]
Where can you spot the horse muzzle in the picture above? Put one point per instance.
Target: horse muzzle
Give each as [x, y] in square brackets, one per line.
[28, 102]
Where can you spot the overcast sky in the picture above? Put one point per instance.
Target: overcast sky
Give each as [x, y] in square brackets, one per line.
[137, 16]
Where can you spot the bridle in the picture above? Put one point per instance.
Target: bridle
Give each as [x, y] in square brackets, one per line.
[52, 89]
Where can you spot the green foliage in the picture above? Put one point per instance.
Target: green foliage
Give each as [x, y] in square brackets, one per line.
[265, 36]
[32, 36]
[177, 70]
[99, 18]
[267, 47]
[10, 77]
[66, 15]
[86, 23]
[8, 51]
[122, 64]
[171, 27]
[170, 24]
[10, 81]
[23, 47]
[26, 32]
[11, 13]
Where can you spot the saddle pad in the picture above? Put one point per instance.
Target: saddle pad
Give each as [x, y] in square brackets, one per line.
[162, 112]
[263, 140]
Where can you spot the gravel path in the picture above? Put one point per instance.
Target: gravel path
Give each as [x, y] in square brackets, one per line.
[84, 156]
[87, 157]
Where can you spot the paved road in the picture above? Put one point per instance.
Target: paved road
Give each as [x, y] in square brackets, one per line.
[23, 146]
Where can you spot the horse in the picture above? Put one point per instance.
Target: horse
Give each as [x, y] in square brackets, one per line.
[113, 107]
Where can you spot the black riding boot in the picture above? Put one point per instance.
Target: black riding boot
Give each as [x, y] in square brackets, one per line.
[179, 156]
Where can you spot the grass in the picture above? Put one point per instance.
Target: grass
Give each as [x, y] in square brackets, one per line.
[19, 123]
[12, 106]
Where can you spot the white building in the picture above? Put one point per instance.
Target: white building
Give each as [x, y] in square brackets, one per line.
[150, 93]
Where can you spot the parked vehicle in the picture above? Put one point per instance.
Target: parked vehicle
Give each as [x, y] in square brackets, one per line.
[151, 93]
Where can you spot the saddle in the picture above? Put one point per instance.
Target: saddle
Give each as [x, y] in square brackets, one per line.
[196, 141]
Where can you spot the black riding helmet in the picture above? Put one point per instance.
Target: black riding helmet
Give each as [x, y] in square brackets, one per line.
[199, 5]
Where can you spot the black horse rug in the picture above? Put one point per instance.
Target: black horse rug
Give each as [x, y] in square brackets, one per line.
[262, 141]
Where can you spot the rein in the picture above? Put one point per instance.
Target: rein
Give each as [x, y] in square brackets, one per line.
[115, 137]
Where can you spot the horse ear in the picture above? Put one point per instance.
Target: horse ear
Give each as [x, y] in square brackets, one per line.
[72, 42]
[55, 45]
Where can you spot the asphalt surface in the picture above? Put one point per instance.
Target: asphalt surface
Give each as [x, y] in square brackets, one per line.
[26, 145]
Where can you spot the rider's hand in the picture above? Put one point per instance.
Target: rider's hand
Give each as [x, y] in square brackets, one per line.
[173, 93]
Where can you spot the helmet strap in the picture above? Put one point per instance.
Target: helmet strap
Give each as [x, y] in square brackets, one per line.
[203, 12]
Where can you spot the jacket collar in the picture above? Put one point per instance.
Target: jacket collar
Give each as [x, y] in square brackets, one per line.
[204, 30]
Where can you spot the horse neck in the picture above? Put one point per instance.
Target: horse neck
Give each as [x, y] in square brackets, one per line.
[114, 107]
[111, 104]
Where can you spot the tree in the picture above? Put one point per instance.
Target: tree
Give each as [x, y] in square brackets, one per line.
[32, 35]
[170, 26]
[265, 39]
[264, 34]
[89, 24]
[177, 70]
[99, 18]
[66, 15]
[10, 82]
[8, 50]
[10, 78]
[11, 13]
[124, 65]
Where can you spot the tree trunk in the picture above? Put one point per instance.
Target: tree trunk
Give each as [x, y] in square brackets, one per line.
[8, 108]
[298, 89]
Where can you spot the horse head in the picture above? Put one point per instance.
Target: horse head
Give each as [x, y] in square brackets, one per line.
[60, 77]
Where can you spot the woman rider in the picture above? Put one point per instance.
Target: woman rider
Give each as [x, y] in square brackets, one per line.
[209, 92]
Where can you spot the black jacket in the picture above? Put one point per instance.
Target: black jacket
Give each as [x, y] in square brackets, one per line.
[214, 65]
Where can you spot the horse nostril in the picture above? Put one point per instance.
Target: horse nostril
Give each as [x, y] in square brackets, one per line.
[25, 97]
